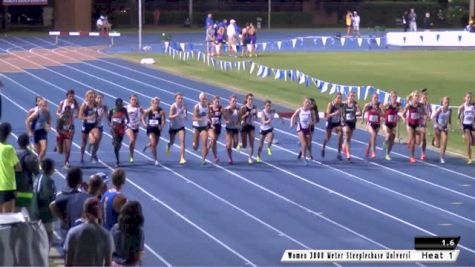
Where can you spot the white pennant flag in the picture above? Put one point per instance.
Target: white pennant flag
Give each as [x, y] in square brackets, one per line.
[260, 71]
[167, 44]
[332, 89]
[285, 75]
[243, 65]
[302, 78]
[277, 75]
[207, 59]
[173, 55]
[265, 72]
[342, 40]
[324, 40]
[264, 46]
[279, 44]
[386, 97]
[378, 41]
[239, 65]
[253, 65]
[294, 42]
[324, 87]
[358, 93]
[360, 41]
[198, 56]
[182, 45]
[234, 48]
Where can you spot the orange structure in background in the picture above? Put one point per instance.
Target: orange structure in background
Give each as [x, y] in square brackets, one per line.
[72, 15]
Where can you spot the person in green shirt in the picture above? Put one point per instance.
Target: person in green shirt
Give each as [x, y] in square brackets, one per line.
[44, 194]
[9, 163]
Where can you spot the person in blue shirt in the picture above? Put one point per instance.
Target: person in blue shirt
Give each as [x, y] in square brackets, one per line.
[209, 20]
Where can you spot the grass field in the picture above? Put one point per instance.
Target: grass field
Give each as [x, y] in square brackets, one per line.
[444, 73]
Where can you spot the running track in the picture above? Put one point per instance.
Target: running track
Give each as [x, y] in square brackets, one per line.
[217, 215]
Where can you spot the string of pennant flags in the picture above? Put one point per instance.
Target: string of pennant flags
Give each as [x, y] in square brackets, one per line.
[321, 41]
[253, 68]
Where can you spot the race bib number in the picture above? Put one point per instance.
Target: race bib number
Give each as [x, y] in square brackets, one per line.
[350, 116]
[414, 116]
[153, 122]
[391, 118]
[214, 120]
[373, 118]
[116, 120]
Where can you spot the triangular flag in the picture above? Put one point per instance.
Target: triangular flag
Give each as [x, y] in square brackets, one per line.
[253, 65]
[307, 81]
[264, 46]
[378, 41]
[278, 74]
[382, 96]
[182, 45]
[198, 56]
[292, 75]
[239, 65]
[265, 72]
[315, 40]
[437, 37]
[386, 97]
[294, 42]
[324, 40]
[285, 75]
[243, 66]
[332, 89]
[358, 92]
[360, 41]
[167, 44]
[234, 48]
[342, 40]
[260, 70]
[302, 78]
[279, 44]
[315, 82]
[366, 92]
[213, 62]
[324, 87]
[460, 38]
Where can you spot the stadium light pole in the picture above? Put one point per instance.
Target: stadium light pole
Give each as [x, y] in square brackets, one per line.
[269, 9]
[140, 25]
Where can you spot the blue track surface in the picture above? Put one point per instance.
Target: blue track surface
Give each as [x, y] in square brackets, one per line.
[217, 215]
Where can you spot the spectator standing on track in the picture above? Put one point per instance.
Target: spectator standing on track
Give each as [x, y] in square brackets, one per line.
[356, 24]
[177, 116]
[348, 22]
[9, 163]
[38, 125]
[128, 235]
[412, 20]
[153, 120]
[113, 200]
[44, 195]
[68, 204]
[89, 244]
[427, 22]
[405, 21]
[118, 119]
[30, 169]
[156, 15]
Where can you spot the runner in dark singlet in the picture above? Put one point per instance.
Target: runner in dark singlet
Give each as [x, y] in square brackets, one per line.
[118, 119]
[153, 120]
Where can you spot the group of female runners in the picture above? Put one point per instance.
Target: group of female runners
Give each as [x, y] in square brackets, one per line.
[341, 118]
[240, 121]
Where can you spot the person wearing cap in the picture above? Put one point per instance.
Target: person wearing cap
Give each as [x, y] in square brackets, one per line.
[89, 244]
[9, 163]
[118, 119]
[232, 35]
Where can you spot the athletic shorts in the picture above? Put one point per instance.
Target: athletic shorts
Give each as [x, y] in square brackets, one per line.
[87, 127]
[331, 125]
[414, 127]
[375, 126]
[6, 196]
[390, 126]
[468, 127]
[216, 128]
[232, 131]
[153, 130]
[135, 131]
[175, 131]
[247, 128]
[199, 129]
[304, 131]
[39, 135]
[266, 132]
[350, 124]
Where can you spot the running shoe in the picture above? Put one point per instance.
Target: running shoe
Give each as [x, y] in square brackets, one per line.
[305, 163]
[338, 156]
[230, 162]
[373, 155]
[182, 161]
[66, 165]
[131, 159]
[216, 159]
[442, 161]
[203, 162]
[167, 151]
[300, 155]
[412, 160]
[322, 153]
[94, 159]
[156, 163]
[116, 165]
[367, 151]
[250, 161]
[239, 147]
[269, 151]
[469, 162]
[258, 159]
[423, 156]
[387, 157]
